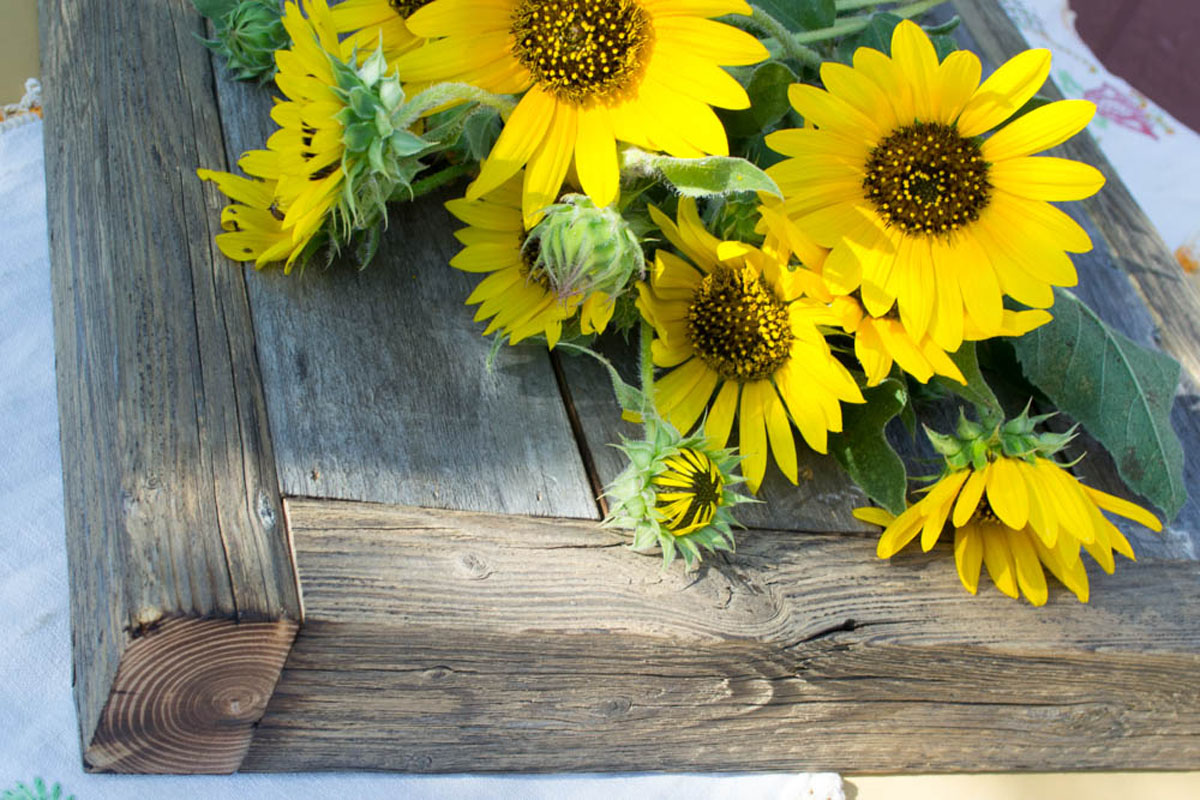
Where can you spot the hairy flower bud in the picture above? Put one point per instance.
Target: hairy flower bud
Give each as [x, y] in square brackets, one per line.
[581, 249]
[248, 32]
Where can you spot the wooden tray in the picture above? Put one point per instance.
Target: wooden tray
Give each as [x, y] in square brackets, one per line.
[309, 530]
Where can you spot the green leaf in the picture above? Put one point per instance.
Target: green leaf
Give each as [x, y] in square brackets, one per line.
[801, 15]
[943, 45]
[214, 9]
[863, 450]
[768, 90]
[1120, 391]
[703, 177]
[815, 14]
[977, 390]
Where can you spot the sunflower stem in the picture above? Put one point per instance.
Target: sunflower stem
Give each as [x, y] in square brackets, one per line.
[856, 24]
[791, 48]
[647, 373]
[438, 179]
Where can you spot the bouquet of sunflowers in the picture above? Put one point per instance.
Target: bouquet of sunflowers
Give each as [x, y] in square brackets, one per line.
[814, 216]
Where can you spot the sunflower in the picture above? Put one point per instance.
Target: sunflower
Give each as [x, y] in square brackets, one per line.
[378, 23]
[277, 218]
[518, 303]
[733, 321]
[598, 71]
[920, 212]
[1015, 515]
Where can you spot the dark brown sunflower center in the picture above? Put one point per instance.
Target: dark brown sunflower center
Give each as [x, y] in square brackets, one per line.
[737, 325]
[927, 179]
[405, 8]
[984, 511]
[582, 49]
[531, 251]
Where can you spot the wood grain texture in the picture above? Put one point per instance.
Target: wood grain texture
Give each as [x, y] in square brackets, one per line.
[1132, 282]
[441, 642]
[170, 495]
[188, 695]
[376, 380]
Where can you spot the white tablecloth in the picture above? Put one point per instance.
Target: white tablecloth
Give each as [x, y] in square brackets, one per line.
[38, 734]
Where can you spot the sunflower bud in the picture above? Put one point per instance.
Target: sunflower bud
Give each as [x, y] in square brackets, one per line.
[581, 249]
[248, 32]
[974, 445]
[675, 493]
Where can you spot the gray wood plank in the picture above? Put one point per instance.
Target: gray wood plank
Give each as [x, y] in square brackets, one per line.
[443, 642]
[170, 495]
[375, 380]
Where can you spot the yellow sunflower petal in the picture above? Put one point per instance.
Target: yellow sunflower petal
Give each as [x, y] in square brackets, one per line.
[1126, 509]
[1030, 577]
[902, 531]
[957, 79]
[968, 499]
[1005, 91]
[523, 133]
[548, 165]
[1047, 178]
[752, 435]
[1007, 494]
[779, 433]
[968, 556]
[914, 56]
[596, 156]
[999, 559]
[938, 503]
[720, 417]
[873, 515]
[1040, 129]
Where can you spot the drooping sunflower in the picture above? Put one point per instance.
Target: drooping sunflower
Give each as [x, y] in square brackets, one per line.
[375, 23]
[919, 211]
[732, 320]
[518, 302]
[276, 218]
[253, 230]
[597, 72]
[1015, 515]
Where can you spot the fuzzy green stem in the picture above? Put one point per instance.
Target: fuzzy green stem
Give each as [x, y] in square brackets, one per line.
[439, 179]
[791, 48]
[647, 374]
[856, 24]
[447, 93]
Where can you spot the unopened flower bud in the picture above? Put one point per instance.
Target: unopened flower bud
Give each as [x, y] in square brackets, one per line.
[581, 249]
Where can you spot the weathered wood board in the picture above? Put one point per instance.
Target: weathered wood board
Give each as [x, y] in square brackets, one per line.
[171, 500]
[232, 440]
[491, 642]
